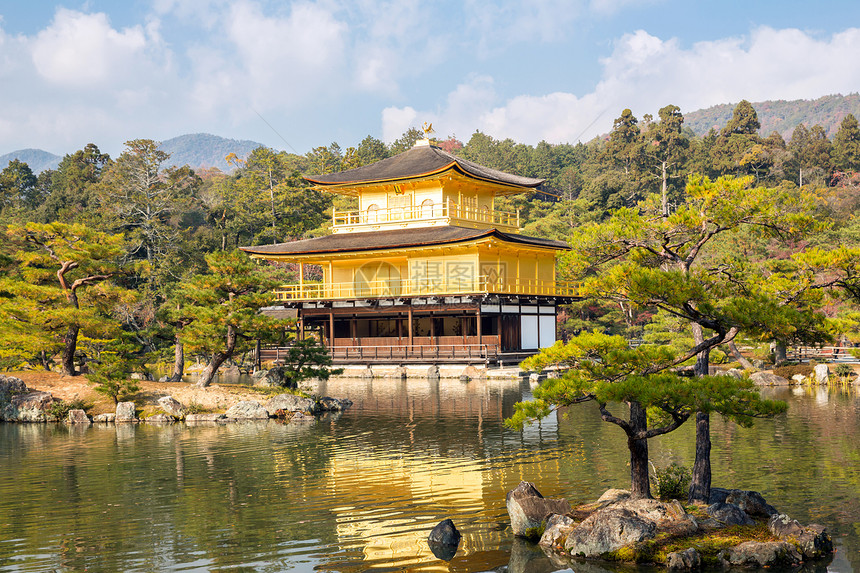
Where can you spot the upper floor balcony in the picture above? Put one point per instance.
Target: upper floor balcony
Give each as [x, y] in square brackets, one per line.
[442, 286]
[426, 214]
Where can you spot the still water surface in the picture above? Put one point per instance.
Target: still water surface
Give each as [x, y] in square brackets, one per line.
[361, 491]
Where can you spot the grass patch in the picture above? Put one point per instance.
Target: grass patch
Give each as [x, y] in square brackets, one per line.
[707, 543]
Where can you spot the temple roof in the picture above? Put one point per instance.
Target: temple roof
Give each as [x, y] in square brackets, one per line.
[420, 161]
[396, 239]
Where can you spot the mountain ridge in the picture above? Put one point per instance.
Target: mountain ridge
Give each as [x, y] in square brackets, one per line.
[205, 150]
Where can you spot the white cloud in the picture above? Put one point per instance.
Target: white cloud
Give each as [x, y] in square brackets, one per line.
[266, 61]
[78, 50]
[645, 73]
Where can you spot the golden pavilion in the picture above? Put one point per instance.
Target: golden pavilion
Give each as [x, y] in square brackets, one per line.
[426, 269]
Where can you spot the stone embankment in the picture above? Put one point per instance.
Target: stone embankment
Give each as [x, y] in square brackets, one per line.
[738, 528]
[21, 404]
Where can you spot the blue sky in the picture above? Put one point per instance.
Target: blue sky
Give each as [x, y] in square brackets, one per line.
[74, 72]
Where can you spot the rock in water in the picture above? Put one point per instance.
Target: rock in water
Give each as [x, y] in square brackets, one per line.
[291, 403]
[78, 417]
[812, 541]
[444, 540]
[761, 554]
[768, 379]
[247, 410]
[446, 533]
[821, 373]
[528, 509]
[124, 412]
[608, 530]
[682, 560]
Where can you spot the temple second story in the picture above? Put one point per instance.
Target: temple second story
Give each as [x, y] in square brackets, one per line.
[423, 187]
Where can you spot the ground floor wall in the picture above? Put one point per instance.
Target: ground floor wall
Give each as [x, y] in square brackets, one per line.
[478, 328]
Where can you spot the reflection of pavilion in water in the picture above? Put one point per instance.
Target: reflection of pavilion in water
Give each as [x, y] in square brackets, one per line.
[455, 469]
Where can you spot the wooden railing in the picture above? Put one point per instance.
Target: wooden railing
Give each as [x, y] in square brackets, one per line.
[393, 352]
[442, 286]
[822, 353]
[446, 210]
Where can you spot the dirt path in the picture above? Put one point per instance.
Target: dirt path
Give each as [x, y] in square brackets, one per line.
[216, 398]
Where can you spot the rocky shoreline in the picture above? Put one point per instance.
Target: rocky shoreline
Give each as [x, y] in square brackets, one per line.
[738, 529]
[18, 403]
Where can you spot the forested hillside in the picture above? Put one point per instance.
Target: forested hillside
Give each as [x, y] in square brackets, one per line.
[782, 116]
[143, 228]
[206, 150]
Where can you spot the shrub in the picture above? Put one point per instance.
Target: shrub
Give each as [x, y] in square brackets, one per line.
[844, 371]
[790, 370]
[60, 408]
[673, 481]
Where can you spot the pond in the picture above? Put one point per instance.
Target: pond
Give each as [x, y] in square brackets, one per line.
[361, 491]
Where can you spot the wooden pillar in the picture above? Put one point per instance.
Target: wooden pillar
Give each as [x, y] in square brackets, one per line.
[478, 318]
[352, 329]
[331, 329]
[411, 329]
[300, 335]
[301, 280]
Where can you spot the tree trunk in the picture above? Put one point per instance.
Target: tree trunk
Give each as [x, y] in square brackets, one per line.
[71, 344]
[780, 353]
[211, 369]
[700, 485]
[43, 358]
[640, 484]
[736, 354]
[218, 359]
[178, 361]
[665, 193]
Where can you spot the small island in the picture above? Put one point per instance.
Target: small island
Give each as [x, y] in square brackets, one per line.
[738, 528]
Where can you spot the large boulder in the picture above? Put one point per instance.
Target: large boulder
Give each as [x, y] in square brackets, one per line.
[78, 416]
[766, 378]
[124, 412]
[528, 509]
[171, 406]
[751, 502]
[10, 386]
[611, 496]
[608, 530]
[821, 374]
[558, 527]
[30, 406]
[729, 514]
[247, 410]
[812, 541]
[291, 403]
[760, 554]
[274, 377]
[106, 418]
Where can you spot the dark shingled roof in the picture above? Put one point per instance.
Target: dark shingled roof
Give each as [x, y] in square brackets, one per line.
[395, 239]
[420, 161]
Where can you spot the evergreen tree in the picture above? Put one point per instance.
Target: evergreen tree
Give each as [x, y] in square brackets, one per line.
[846, 145]
[60, 287]
[604, 369]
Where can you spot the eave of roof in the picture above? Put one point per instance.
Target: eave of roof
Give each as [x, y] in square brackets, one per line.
[395, 239]
[420, 162]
